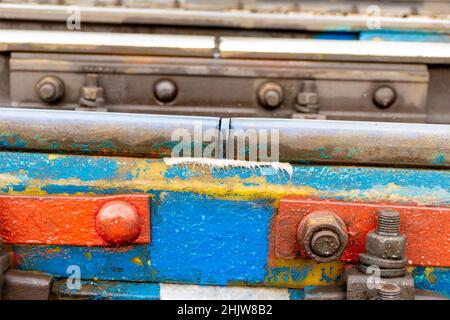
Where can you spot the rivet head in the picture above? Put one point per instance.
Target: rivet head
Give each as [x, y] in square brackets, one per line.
[165, 91]
[118, 223]
[384, 97]
[270, 95]
[50, 89]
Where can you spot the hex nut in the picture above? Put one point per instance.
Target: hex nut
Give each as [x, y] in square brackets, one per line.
[385, 247]
[323, 236]
[50, 89]
[307, 98]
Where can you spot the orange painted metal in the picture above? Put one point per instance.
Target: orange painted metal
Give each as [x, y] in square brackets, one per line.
[427, 228]
[55, 220]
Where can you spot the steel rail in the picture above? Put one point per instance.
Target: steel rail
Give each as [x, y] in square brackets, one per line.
[354, 142]
[98, 133]
[313, 141]
[225, 47]
[103, 42]
[246, 19]
[341, 50]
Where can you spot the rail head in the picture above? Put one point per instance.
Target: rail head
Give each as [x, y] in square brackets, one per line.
[157, 136]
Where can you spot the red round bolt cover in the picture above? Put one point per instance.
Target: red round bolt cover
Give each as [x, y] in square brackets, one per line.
[118, 222]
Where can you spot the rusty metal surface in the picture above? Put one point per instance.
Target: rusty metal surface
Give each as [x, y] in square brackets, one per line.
[352, 142]
[426, 228]
[97, 133]
[202, 86]
[317, 141]
[290, 15]
[26, 285]
[358, 285]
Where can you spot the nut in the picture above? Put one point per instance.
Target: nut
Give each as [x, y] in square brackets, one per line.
[270, 95]
[92, 93]
[50, 89]
[306, 98]
[385, 241]
[385, 247]
[323, 236]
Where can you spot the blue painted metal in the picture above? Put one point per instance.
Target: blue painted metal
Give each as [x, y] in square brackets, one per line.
[387, 35]
[101, 290]
[205, 237]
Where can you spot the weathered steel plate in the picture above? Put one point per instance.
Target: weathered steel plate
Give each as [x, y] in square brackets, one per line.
[427, 228]
[55, 220]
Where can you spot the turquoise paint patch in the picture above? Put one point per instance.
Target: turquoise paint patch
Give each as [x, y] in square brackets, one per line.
[337, 36]
[386, 35]
[100, 290]
[38, 166]
[11, 141]
[437, 280]
[439, 160]
[296, 294]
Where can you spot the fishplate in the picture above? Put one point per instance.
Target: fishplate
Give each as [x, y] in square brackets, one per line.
[83, 221]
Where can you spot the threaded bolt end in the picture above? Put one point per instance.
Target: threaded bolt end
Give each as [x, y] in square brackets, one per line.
[389, 291]
[388, 222]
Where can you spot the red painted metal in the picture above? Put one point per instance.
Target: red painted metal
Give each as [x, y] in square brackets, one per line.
[72, 220]
[427, 228]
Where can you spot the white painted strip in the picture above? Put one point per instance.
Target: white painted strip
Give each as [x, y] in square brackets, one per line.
[277, 167]
[236, 46]
[194, 292]
[104, 39]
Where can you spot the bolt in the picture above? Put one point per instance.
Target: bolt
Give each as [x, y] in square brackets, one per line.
[386, 243]
[307, 98]
[118, 222]
[389, 291]
[50, 89]
[384, 97]
[270, 95]
[165, 91]
[323, 236]
[388, 222]
[325, 243]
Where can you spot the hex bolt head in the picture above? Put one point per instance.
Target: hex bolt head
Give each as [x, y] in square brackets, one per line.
[50, 89]
[389, 291]
[118, 223]
[384, 97]
[165, 91]
[270, 95]
[323, 236]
